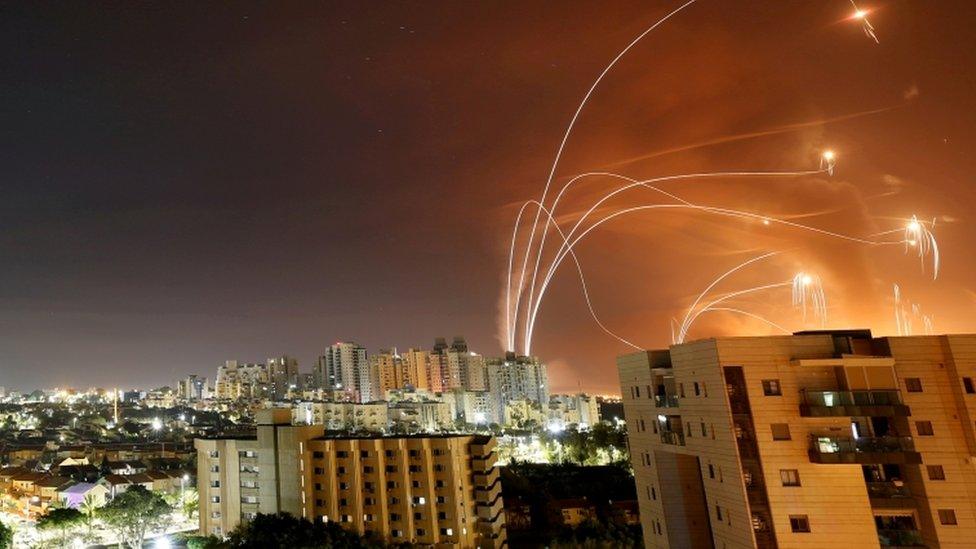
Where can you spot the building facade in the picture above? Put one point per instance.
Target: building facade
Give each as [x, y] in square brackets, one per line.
[805, 440]
[440, 491]
[516, 378]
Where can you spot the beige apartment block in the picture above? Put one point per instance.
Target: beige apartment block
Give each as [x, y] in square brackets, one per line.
[437, 490]
[810, 440]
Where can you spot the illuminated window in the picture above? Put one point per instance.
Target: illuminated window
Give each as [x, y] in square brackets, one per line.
[790, 477]
[771, 387]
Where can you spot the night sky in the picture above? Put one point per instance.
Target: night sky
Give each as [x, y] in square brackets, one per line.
[196, 182]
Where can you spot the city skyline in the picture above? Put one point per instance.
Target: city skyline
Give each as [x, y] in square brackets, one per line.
[218, 197]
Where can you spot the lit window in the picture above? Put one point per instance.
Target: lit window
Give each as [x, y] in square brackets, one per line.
[790, 477]
[771, 387]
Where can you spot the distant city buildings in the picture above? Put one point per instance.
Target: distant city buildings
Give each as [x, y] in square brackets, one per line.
[422, 390]
[810, 440]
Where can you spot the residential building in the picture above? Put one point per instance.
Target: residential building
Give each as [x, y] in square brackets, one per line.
[389, 366]
[240, 380]
[429, 490]
[194, 387]
[517, 378]
[416, 373]
[807, 440]
[345, 368]
[580, 409]
[282, 376]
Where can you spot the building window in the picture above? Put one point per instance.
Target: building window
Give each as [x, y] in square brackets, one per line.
[637, 391]
[681, 390]
[947, 517]
[318, 455]
[913, 385]
[654, 493]
[771, 387]
[718, 512]
[799, 523]
[781, 431]
[790, 477]
[441, 515]
[342, 454]
[711, 471]
[967, 383]
[924, 428]
[388, 453]
[704, 429]
[936, 472]
[697, 389]
[650, 394]
[421, 532]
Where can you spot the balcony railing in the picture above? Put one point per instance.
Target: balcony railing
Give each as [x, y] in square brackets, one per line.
[666, 401]
[887, 490]
[888, 397]
[900, 538]
[677, 438]
[863, 450]
[873, 402]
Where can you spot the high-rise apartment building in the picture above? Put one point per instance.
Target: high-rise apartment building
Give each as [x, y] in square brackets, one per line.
[237, 380]
[438, 491]
[517, 378]
[345, 368]
[415, 369]
[389, 365]
[194, 387]
[809, 440]
[283, 376]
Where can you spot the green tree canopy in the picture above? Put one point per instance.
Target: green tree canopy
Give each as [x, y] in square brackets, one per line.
[134, 513]
[63, 521]
[6, 536]
[285, 530]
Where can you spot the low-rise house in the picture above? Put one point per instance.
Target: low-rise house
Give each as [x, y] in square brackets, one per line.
[571, 512]
[74, 495]
[49, 487]
[127, 467]
[116, 484]
[625, 513]
[80, 473]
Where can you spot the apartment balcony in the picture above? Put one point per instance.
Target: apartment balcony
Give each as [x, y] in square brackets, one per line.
[666, 401]
[675, 438]
[865, 450]
[886, 403]
[900, 538]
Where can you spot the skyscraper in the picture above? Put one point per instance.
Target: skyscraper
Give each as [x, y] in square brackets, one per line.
[389, 364]
[415, 369]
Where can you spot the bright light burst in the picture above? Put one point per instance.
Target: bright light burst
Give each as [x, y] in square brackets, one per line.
[920, 237]
[866, 26]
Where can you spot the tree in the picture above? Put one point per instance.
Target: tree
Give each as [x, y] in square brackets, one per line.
[191, 502]
[63, 521]
[134, 513]
[6, 536]
[88, 507]
[285, 530]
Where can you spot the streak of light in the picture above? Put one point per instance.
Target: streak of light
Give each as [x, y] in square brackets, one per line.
[562, 146]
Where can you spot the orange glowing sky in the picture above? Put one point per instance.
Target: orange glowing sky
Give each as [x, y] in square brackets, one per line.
[207, 182]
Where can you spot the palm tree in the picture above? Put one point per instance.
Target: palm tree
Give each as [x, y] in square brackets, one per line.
[88, 507]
